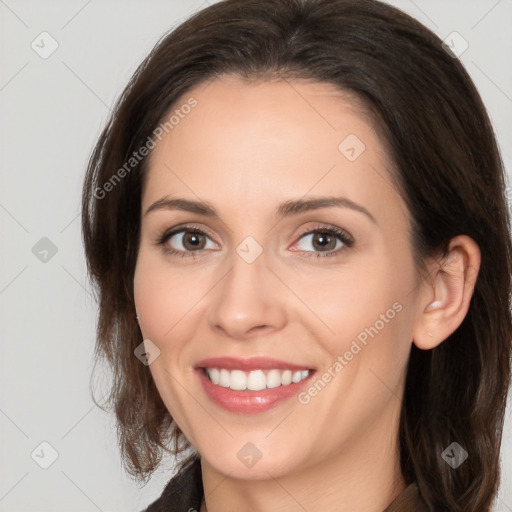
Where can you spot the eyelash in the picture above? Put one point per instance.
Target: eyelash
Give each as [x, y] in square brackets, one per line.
[342, 235]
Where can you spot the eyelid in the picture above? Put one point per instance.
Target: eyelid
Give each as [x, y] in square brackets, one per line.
[327, 227]
[341, 234]
[346, 238]
[168, 233]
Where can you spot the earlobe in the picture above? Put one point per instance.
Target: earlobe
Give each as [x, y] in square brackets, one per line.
[447, 294]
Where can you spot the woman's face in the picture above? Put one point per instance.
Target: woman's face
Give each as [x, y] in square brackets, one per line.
[264, 285]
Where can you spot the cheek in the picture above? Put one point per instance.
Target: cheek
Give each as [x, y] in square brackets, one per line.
[365, 300]
[163, 297]
[151, 299]
[162, 302]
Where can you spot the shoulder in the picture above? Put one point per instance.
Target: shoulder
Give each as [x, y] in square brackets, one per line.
[183, 492]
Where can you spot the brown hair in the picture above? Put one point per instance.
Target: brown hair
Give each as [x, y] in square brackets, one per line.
[449, 173]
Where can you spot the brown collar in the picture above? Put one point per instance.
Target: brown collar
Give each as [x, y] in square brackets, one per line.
[409, 500]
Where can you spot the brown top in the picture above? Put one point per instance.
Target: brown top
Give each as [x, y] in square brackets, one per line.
[409, 500]
[184, 493]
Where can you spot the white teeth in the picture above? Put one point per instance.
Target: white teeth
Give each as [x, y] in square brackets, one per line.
[254, 380]
[224, 378]
[238, 380]
[286, 377]
[215, 375]
[297, 376]
[273, 379]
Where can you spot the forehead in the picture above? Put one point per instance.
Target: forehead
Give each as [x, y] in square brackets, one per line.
[250, 143]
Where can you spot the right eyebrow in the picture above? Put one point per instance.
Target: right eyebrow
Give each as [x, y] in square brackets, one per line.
[166, 203]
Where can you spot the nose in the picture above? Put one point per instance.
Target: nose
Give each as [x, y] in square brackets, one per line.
[248, 301]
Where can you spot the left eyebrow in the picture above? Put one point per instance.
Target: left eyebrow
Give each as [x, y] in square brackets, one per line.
[293, 207]
[286, 209]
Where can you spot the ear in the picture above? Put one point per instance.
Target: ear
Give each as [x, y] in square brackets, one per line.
[446, 294]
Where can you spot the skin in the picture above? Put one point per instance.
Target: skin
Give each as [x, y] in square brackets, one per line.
[246, 148]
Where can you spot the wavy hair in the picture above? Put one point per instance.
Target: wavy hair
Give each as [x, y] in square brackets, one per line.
[448, 170]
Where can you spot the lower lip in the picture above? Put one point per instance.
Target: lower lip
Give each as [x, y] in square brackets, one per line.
[249, 402]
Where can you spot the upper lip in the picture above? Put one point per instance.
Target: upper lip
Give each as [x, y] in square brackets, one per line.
[248, 364]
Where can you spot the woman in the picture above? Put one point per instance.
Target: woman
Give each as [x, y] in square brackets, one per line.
[297, 226]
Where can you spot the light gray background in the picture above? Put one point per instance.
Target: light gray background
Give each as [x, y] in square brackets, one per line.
[52, 111]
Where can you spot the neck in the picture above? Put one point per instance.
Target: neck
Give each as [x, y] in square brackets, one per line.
[364, 477]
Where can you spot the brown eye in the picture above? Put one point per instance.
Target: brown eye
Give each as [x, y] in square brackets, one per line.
[185, 241]
[330, 241]
[324, 241]
[193, 241]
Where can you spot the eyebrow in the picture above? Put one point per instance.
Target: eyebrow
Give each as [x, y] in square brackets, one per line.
[286, 209]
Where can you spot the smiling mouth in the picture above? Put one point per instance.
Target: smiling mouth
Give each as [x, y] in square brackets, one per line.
[251, 385]
[254, 380]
